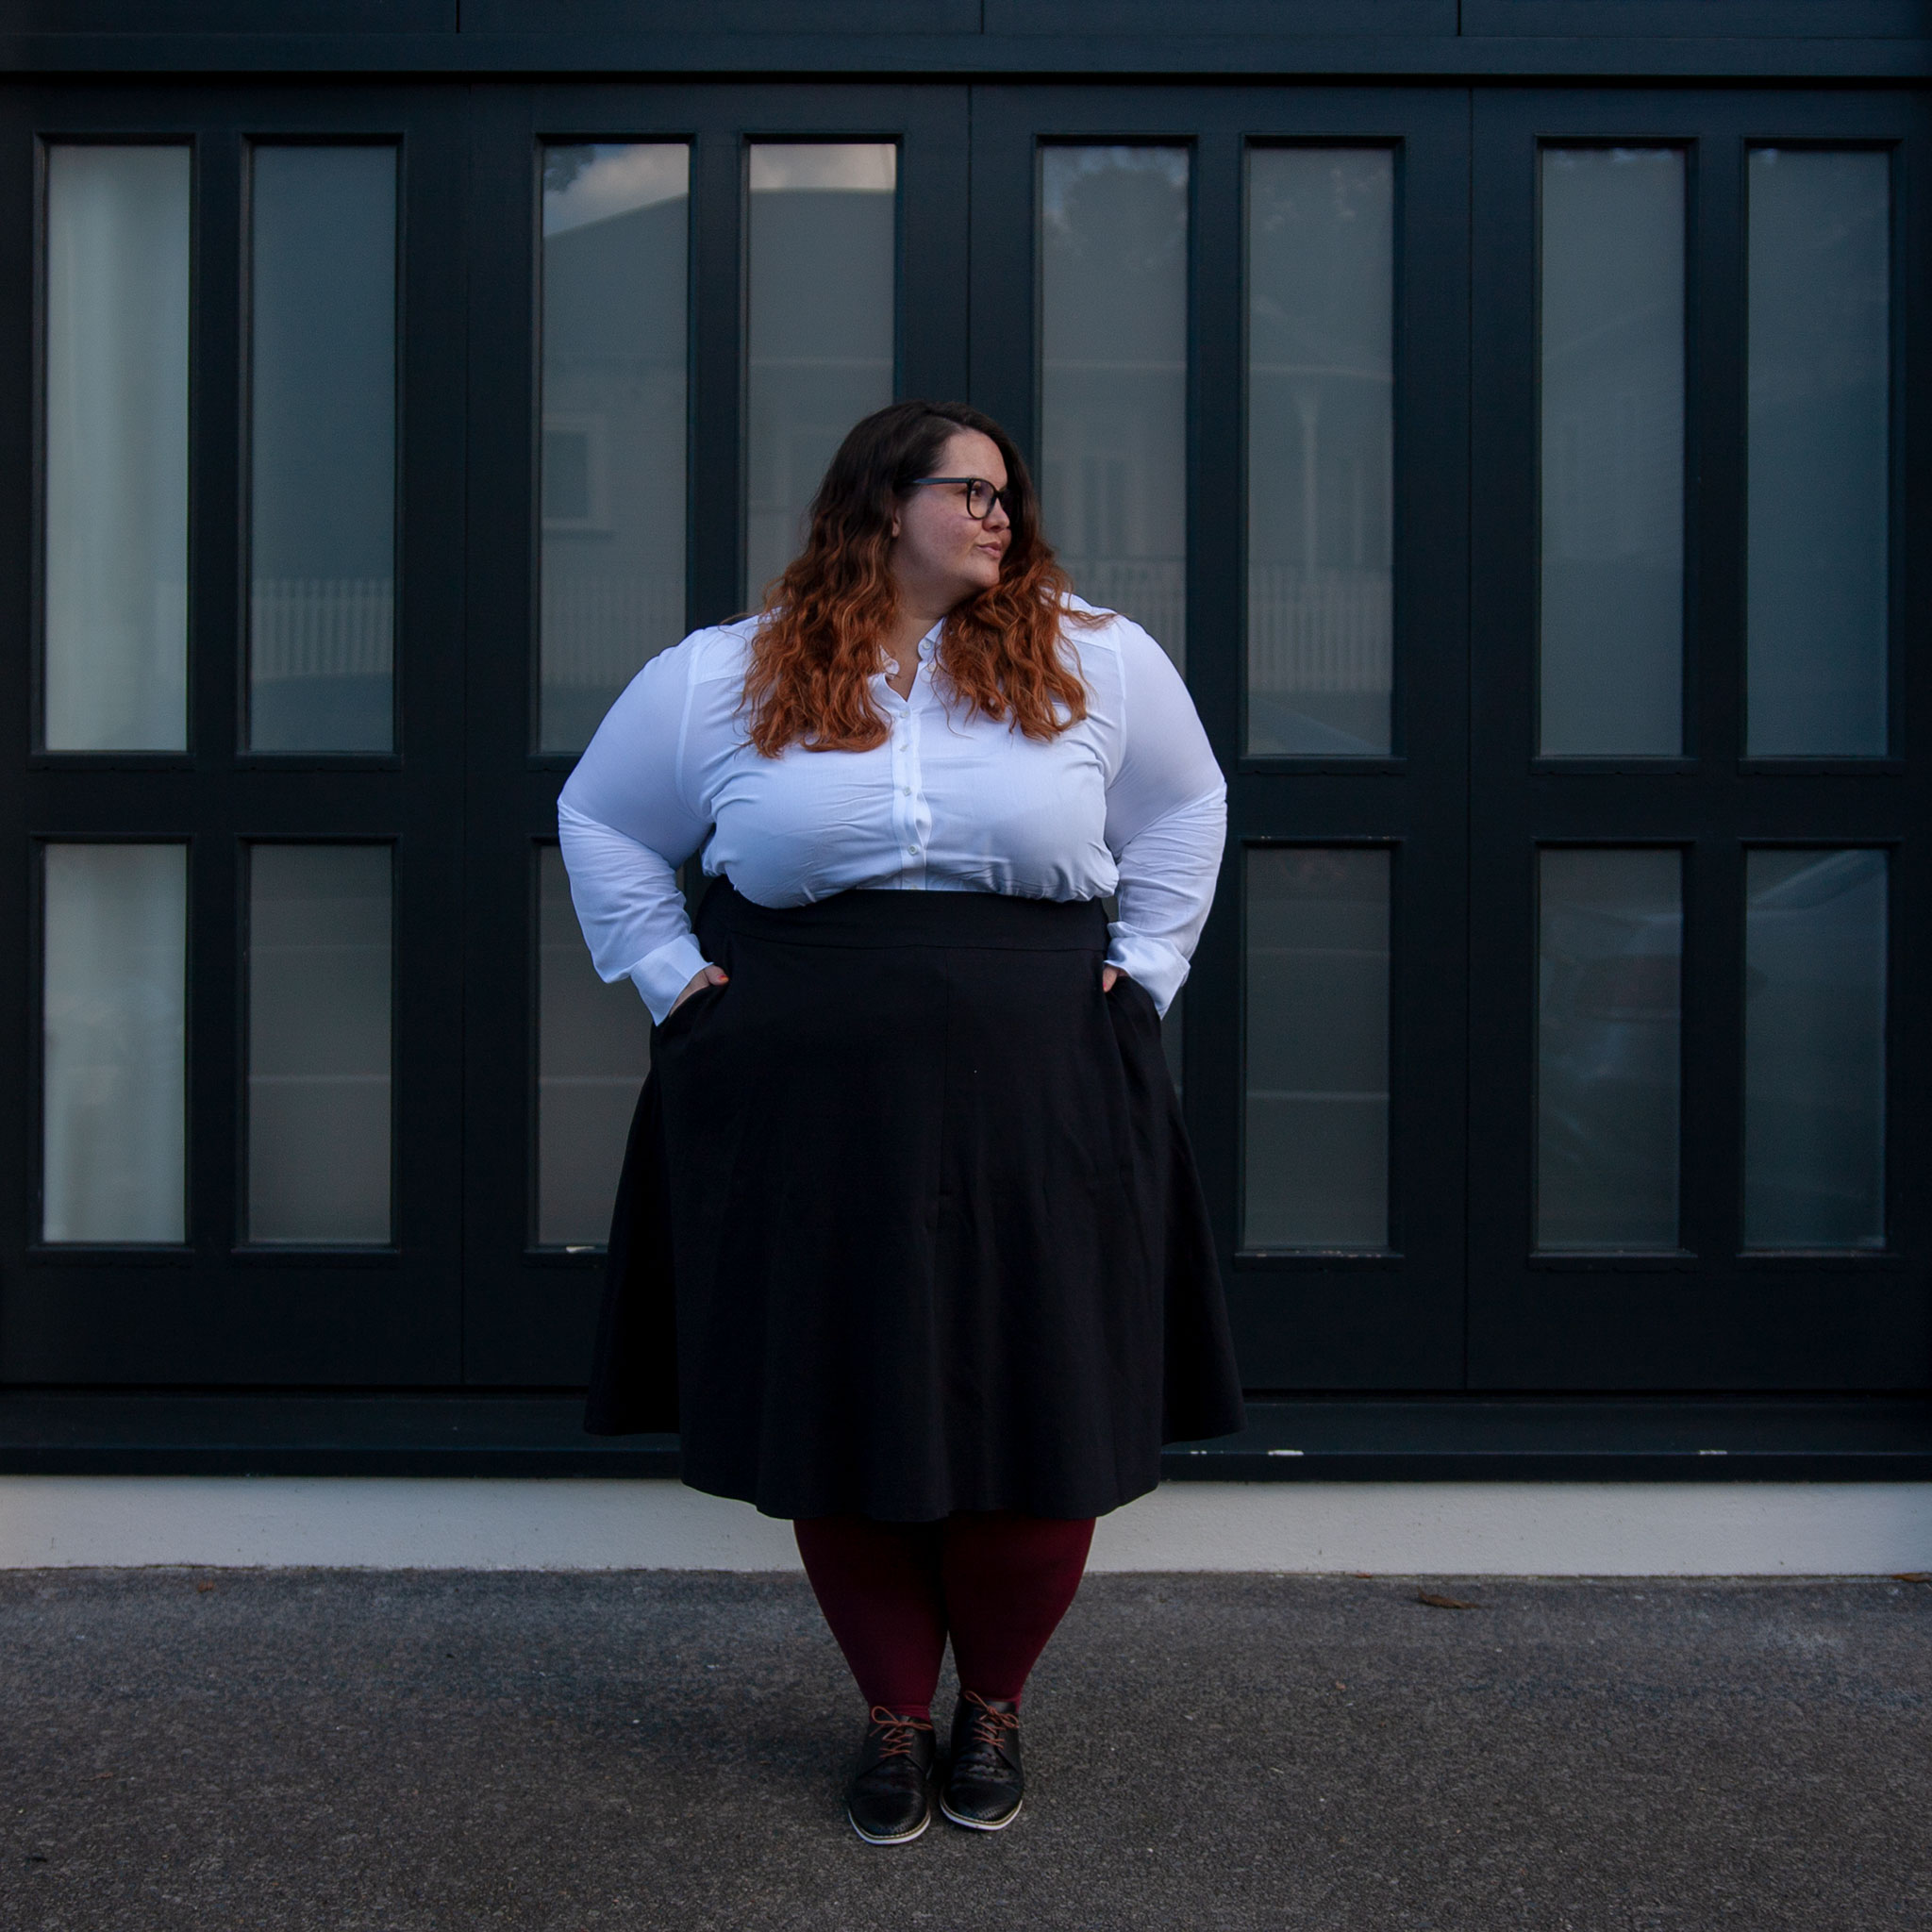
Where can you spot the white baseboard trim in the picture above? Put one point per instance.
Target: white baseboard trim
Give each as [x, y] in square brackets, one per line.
[1468, 1529]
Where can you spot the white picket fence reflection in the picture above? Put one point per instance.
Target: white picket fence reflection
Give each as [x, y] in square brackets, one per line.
[1319, 630]
[597, 631]
[1154, 595]
[1324, 630]
[321, 627]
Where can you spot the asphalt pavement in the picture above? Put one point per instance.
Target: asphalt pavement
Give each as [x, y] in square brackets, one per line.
[394, 1751]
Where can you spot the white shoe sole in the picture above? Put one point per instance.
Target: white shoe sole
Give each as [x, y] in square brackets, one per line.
[980, 1824]
[905, 1839]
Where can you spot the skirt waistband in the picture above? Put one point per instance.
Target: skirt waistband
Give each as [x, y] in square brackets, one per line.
[995, 921]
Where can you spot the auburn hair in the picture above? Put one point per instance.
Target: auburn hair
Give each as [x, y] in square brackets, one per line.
[821, 634]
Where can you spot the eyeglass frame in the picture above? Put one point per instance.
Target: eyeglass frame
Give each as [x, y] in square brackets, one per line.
[999, 497]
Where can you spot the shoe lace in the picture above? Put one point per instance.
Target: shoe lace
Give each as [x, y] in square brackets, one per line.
[896, 1733]
[987, 1729]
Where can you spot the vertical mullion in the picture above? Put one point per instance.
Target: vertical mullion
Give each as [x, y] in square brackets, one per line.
[1211, 1014]
[1716, 399]
[716, 294]
[501, 794]
[1908, 1086]
[1004, 225]
[21, 177]
[216, 460]
[933, 309]
[432, 670]
[1503, 556]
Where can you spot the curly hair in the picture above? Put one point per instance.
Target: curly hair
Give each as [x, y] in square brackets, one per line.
[821, 637]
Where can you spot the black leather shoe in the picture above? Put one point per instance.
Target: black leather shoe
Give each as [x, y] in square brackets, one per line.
[889, 1798]
[984, 1784]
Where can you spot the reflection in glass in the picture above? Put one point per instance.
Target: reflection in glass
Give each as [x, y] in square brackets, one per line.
[319, 994]
[820, 326]
[321, 547]
[1321, 450]
[593, 1049]
[114, 1080]
[1814, 1049]
[1612, 452]
[1113, 378]
[1819, 452]
[1608, 969]
[1317, 1077]
[116, 667]
[616, 229]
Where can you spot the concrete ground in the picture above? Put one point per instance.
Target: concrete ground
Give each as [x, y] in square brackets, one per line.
[215, 1749]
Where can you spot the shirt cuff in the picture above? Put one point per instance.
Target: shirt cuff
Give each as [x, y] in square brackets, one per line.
[1150, 962]
[660, 977]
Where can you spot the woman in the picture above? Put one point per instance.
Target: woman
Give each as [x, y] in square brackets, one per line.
[907, 1184]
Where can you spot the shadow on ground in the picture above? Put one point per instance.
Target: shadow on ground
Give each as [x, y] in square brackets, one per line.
[215, 1749]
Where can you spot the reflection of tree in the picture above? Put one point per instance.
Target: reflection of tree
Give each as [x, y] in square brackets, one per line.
[1111, 219]
[563, 165]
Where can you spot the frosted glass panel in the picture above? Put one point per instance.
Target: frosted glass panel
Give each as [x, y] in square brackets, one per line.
[1821, 404]
[1814, 1050]
[616, 238]
[1317, 1077]
[593, 1049]
[1612, 360]
[1609, 964]
[115, 1076]
[820, 326]
[319, 980]
[116, 668]
[322, 449]
[1321, 450]
[1113, 378]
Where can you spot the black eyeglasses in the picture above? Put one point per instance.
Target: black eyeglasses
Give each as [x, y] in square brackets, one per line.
[980, 494]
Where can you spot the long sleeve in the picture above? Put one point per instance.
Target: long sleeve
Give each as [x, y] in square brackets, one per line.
[625, 822]
[1166, 822]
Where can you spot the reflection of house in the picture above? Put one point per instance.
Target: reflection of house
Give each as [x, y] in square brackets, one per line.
[821, 353]
[1321, 453]
[614, 385]
[1113, 378]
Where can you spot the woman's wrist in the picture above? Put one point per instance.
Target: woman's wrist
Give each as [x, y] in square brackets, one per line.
[707, 975]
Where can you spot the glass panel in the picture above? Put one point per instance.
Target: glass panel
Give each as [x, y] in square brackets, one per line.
[321, 545]
[1612, 452]
[1610, 954]
[319, 980]
[616, 328]
[593, 1049]
[117, 449]
[1820, 406]
[1321, 450]
[820, 326]
[1113, 378]
[1814, 1049]
[114, 1081]
[1317, 1049]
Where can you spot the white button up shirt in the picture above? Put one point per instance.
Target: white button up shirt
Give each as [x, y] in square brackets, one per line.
[1129, 800]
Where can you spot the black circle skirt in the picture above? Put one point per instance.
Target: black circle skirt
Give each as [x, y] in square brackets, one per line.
[908, 1222]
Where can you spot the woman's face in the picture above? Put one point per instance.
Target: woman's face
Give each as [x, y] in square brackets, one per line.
[939, 555]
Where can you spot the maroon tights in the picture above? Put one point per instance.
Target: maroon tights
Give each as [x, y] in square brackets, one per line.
[892, 1591]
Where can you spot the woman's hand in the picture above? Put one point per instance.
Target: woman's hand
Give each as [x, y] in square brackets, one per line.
[1108, 975]
[711, 975]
